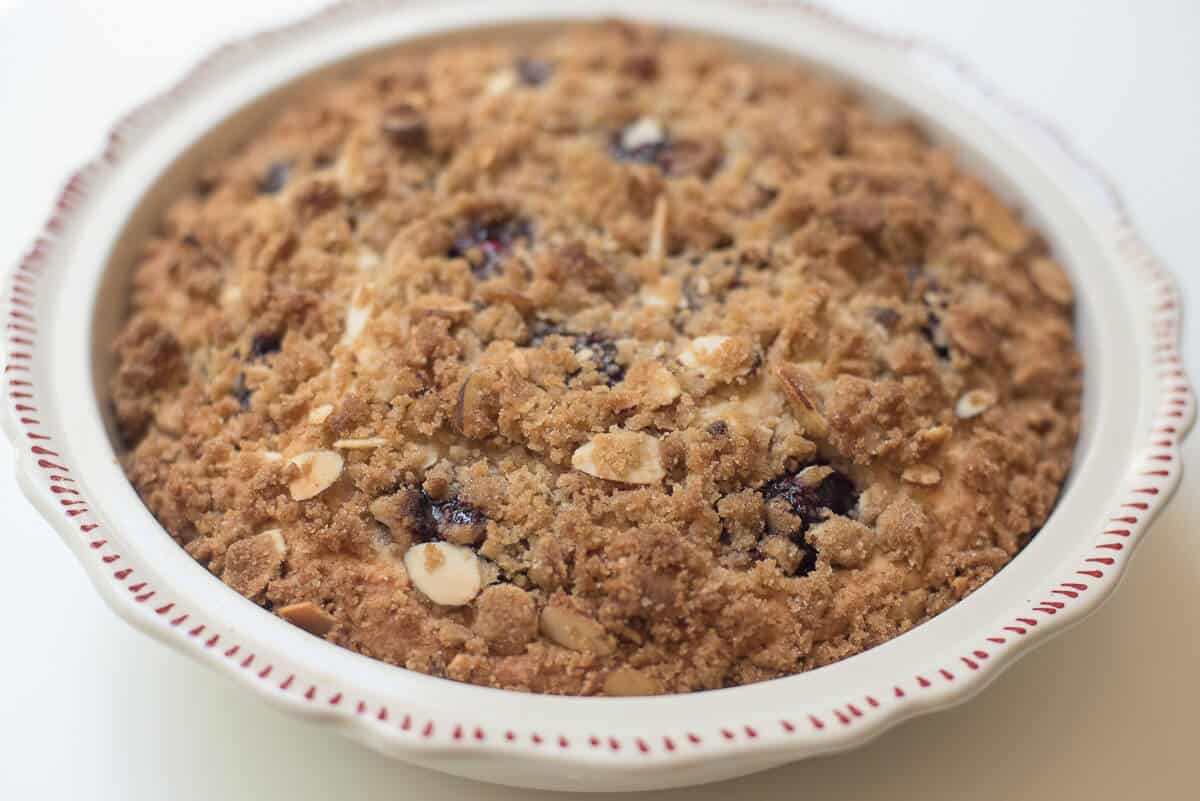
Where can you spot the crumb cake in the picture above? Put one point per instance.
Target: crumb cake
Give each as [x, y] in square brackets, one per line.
[615, 364]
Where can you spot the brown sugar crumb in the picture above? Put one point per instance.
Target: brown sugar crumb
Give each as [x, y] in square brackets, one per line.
[251, 563]
[613, 365]
[506, 617]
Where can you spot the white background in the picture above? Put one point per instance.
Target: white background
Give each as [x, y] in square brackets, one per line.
[92, 710]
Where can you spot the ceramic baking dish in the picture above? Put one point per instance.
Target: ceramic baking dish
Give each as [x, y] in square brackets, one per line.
[66, 298]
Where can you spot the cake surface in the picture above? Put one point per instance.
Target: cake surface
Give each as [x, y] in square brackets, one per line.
[615, 364]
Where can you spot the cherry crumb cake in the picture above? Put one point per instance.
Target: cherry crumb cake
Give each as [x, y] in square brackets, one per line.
[616, 364]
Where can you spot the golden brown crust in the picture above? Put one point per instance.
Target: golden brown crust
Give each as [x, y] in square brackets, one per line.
[695, 372]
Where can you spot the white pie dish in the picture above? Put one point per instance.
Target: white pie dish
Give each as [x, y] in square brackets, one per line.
[1134, 391]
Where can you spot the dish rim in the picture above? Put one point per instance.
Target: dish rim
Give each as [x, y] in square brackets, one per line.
[52, 478]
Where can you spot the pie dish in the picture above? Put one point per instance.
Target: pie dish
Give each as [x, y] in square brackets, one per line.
[1134, 392]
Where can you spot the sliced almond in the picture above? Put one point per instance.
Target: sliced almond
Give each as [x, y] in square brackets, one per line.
[353, 169]
[278, 543]
[429, 456]
[317, 472]
[925, 475]
[797, 387]
[932, 437]
[653, 300]
[720, 358]
[357, 313]
[657, 247]
[664, 294]
[974, 403]
[663, 391]
[367, 259]
[702, 352]
[628, 456]
[629, 682]
[500, 82]
[814, 475]
[271, 456]
[320, 414]
[445, 306]
[641, 133]
[446, 574]
[572, 630]
[655, 384]
[1051, 280]
[309, 617]
[360, 444]
[231, 296]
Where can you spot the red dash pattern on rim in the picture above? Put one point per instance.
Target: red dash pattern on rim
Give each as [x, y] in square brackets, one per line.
[36, 434]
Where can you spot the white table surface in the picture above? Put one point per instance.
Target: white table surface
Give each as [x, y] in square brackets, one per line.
[93, 710]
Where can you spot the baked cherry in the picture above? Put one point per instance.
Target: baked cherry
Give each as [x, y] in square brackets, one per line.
[532, 72]
[600, 349]
[242, 392]
[264, 345]
[275, 178]
[812, 500]
[451, 519]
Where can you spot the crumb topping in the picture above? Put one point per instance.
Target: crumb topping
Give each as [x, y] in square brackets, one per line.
[615, 365]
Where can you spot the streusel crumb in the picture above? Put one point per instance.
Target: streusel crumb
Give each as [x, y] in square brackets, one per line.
[616, 365]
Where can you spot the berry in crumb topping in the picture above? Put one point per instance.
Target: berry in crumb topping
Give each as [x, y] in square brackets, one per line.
[693, 293]
[600, 349]
[486, 243]
[932, 331]
[885, 317]
[541, 329]
[645, 141]
[718, 428]
[242, 392]
[275, 178]
[936, 304]
[453, 519]
[458, 521]
[641, 141]
[812, 502]
[532, 72]
[264, 345]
